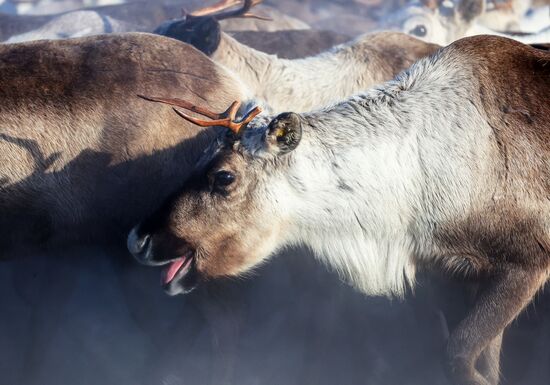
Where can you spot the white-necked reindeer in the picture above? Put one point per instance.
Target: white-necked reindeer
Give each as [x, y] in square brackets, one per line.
[299, 84]
[445, 166]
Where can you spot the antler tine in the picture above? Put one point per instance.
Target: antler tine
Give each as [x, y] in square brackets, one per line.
[219, 6]
[201, 122]
[241, 12]
[228, 122]
[250, 15]
[225, 119]
[250, 115]
[185, 104]
[226, 4]
[254, 16]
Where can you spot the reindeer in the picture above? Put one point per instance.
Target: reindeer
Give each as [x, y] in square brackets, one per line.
[444, 21]
[303, 84]
[73, 142]
[444, 167]
[82, 158]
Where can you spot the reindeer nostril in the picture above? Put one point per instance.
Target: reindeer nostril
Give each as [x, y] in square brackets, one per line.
[143, 242]
[138, 244]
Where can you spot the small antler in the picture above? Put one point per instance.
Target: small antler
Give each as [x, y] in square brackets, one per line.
[224, 119]
[223, 5]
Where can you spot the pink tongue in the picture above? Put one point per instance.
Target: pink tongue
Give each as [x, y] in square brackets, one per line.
[173, 270]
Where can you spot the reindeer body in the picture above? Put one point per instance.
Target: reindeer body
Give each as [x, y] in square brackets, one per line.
[443, 22]
[304, 84]
[279, 22]
[446, 166]
[433, 158]
[82, 157]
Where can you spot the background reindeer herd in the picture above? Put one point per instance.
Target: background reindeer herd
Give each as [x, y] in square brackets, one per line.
[83, 159]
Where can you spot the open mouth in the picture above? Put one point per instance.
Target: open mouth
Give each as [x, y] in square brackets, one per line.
[173, 277]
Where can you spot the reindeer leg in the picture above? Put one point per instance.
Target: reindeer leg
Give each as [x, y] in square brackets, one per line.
[499, 302]
[488, 363]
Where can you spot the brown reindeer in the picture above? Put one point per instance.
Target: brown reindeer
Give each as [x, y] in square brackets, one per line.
[79, 152]
[444, 167]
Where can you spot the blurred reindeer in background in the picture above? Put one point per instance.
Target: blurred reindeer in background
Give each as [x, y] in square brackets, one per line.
[444, 21]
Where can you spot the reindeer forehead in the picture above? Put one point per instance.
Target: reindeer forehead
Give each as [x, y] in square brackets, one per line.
[252, 142]
[226, 153]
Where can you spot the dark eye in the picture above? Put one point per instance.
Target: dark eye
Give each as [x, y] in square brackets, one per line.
[223, 179]
[420, 30]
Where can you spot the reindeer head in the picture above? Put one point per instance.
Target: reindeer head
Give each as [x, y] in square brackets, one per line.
[437, 21]
[220, 223]
[201, 28]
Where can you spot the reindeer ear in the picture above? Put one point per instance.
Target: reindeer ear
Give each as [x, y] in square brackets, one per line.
[470, 9]
[284, 132]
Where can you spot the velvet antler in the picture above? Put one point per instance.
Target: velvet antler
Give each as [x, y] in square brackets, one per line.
[224, 119]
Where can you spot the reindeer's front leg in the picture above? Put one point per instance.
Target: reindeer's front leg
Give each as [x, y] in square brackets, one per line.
[498, 303]
[488, 363]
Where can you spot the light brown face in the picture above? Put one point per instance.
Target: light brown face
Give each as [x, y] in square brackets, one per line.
[214, 227]
[227, 218]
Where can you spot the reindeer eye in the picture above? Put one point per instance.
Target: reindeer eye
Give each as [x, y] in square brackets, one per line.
[223, 179]
[420, 30]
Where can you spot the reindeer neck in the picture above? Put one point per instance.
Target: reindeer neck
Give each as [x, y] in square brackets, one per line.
[302, 84]
[374, 173]
[247, 63]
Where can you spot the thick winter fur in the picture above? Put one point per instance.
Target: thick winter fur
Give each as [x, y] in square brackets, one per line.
[446, 166]
[81, 156]
[304, 84]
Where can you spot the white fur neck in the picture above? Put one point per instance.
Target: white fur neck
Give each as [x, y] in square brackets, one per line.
[361, 185]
